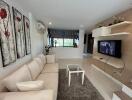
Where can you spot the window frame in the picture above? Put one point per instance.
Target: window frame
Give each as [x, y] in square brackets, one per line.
[63, 42]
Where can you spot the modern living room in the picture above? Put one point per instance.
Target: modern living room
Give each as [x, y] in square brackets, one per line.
[65, 50]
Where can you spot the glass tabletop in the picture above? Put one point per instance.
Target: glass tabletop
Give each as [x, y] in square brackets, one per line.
[74, 68]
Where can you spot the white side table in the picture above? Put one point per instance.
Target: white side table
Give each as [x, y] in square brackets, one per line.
[74, 69]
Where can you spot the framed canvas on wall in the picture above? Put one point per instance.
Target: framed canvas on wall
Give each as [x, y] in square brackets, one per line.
[7, 39]
[27, 34]
[19, 33]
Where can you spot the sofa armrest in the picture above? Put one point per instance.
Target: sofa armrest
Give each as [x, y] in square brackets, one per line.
[30, 95]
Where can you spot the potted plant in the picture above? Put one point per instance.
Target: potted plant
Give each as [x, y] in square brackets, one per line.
[47, 49]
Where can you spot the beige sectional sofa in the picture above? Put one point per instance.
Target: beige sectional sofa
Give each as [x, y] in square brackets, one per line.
[42, 68]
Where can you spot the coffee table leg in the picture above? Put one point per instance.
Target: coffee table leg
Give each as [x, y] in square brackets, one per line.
[78, 70]
[69, 81]
[66, 72]
[82, 78]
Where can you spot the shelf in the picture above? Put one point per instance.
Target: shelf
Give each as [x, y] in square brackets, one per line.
[127, 89]
[116, 34]
[106, 31]
[119, 24]
[121, 96]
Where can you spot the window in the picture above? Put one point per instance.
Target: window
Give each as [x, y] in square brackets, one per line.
[63, 38]
[68, 43]
[58, 42]
[62, 42]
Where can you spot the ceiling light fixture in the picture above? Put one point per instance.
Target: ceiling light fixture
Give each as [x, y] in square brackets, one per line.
[50, 23]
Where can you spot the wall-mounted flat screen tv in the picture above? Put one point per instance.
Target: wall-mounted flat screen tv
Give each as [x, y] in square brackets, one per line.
[110, 47]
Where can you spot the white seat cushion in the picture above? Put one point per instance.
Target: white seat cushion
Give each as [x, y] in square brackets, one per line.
[31, 95]
[30, 85]
[34, 69]
[21, 75]
[50, 82]
[50, 59]
[51, 68]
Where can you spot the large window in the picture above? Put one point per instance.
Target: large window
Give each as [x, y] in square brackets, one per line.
[63, 42]
[63, 38]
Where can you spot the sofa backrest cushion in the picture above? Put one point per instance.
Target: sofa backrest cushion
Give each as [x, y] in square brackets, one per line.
[21, 75]
[34, 69]
[43, 58]
[50, 59]
[39, 61]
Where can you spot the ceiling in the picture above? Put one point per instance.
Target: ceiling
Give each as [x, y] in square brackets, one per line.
[74, 14]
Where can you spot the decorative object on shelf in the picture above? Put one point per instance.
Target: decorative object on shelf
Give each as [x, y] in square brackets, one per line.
[19, 33]
[110, 24]
[27, 34]
[6, 35]
[116, 20]
[120, 24]
[47, 49]
[99, 25]
[41, 27]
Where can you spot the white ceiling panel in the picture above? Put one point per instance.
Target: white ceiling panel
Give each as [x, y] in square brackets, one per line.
[70, 14]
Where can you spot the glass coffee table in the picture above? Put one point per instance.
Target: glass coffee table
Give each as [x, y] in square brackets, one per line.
[74, 69]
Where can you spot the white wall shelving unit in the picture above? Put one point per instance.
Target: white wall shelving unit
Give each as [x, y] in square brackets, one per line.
[102, 31]
[106, 31]
[116, 34]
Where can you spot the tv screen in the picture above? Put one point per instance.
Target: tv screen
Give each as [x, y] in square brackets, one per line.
[110, 47]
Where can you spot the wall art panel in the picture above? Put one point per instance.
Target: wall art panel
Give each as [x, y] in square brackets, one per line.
[7, 39]
[27, 34]
[19, 33]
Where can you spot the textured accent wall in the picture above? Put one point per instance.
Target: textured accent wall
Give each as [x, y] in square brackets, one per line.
[126, 42]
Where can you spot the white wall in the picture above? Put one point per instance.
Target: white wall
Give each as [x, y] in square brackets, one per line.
[69, 52]
[36, 42]
[37, 39]
[46, 38]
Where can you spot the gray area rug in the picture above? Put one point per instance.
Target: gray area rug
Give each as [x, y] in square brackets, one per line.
[76, 91]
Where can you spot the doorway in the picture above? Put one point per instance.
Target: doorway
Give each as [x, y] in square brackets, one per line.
[90, 44]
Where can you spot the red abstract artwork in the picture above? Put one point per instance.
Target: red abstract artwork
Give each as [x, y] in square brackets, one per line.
[19, 33]
[7, 39]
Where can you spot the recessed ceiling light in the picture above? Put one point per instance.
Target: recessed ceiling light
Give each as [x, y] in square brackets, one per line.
[50, 23]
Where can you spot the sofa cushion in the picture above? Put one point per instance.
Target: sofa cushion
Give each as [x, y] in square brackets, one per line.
[34, 69]
[31, 95]
[51, 68]
[30, 85]
[50, 59]
[50, 82]
[39, 61]
[43, 58]
[21, 75]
